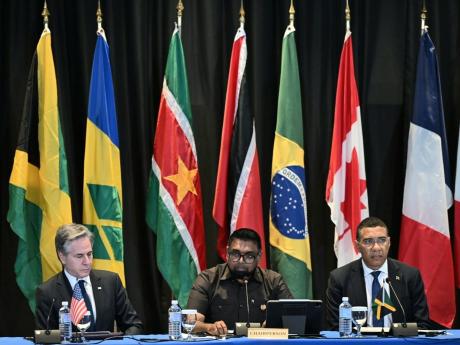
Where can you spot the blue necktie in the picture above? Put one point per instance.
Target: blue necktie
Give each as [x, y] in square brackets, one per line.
[375, 291]
[89, 306]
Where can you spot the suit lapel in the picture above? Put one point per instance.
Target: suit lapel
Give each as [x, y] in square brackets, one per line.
[397, 283]
[358, 296]
[63, 288]
[98, 296]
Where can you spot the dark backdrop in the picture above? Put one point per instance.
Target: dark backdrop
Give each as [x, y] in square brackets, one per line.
[386, 38]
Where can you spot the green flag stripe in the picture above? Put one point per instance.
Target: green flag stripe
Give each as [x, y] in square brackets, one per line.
[171, 241]
[26, 218]
[295, 273]
[289, 100]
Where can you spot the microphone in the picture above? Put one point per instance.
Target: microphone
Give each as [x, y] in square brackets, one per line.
[47, 336]
[403, 329]
[404, 323]
[47, 331]
[248, 324]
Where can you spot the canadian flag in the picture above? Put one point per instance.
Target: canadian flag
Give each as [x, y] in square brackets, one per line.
[346, 190]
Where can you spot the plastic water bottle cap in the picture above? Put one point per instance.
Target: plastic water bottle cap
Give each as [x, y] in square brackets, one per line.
[65, 303]
[344, 299]
[174, 301]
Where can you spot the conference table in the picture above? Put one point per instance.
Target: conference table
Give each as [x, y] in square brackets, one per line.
[326, 338]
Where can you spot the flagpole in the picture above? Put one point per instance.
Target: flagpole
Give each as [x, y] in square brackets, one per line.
[347, 17]
[100, 30]
[423, 18]
[45, 15]
[291, 14]
[180, 9]
[242, 14]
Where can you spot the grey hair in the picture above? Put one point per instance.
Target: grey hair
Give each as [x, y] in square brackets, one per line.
[68, 233]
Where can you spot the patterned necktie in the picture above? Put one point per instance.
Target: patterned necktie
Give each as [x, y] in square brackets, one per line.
[375, 291]
[89, 306]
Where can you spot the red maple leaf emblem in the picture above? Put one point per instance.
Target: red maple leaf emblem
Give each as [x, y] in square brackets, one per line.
[351, 206]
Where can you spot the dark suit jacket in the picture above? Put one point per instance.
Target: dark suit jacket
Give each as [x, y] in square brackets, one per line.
[407, 283]
[110, 296]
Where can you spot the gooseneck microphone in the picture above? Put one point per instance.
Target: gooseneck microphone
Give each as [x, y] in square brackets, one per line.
[404, 323]
[248, 324]
[47, 331]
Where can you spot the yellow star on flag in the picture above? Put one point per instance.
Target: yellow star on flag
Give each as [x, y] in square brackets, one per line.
[184, 180]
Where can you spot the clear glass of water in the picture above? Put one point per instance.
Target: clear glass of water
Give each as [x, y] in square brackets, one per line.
[84, 324]
[359, 316]
[189, 321]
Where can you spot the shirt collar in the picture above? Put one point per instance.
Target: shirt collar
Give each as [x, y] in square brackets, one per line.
[368, 271]
[74, 280]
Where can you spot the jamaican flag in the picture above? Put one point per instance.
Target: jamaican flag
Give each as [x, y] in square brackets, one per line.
[39, 200]
[382, 304]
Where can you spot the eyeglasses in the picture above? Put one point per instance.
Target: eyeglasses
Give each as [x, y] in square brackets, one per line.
[248, 258]
[369, 242]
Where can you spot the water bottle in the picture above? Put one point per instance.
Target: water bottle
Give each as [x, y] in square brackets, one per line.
[65, 324]
[345, 322]
[174, 324]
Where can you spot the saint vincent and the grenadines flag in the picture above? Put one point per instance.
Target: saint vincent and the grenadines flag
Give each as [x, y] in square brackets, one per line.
[39, 201]
[289, 237]
[102, 190]
[174, 202]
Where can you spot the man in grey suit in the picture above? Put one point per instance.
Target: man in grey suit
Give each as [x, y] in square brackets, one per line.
[103, 292]
[356, 279]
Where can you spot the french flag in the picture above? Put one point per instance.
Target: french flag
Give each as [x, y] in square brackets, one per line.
[425, 240]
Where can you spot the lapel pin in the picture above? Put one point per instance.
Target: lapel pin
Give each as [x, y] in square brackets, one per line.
[397, 278]
[99, 288]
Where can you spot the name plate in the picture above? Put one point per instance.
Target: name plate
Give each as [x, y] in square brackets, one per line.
[268, 333]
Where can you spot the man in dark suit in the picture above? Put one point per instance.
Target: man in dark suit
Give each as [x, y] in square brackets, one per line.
[103, 292]
[356, 280]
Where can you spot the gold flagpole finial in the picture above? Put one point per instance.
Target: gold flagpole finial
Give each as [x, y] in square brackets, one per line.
[423, 18]
[242, 14]
[347, 17]
[99, 17]
[180, 8]
[45, 15]
[291, 13]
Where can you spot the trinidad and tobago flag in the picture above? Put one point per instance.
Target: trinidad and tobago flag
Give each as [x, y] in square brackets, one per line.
[238, 200]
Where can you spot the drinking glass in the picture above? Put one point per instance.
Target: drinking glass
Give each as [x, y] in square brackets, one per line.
[359, 316]
[188, 321]
[84, 324]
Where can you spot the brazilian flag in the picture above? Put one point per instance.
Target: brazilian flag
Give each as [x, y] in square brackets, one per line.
[102, 192]
[39, 200]
[289, 237]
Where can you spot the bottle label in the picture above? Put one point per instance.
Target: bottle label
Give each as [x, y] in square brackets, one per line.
[345, 313]
[175, 317]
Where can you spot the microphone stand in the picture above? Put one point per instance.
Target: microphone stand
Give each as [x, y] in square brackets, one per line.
[47, 331]
[248, 324]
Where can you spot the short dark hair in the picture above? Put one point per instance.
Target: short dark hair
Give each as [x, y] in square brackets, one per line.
[245, 235]
[370, 222]
[68, 233]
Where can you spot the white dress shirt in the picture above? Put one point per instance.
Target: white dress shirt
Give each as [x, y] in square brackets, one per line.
[88, 287]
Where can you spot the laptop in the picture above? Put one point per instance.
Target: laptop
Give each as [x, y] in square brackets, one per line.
[302, 317]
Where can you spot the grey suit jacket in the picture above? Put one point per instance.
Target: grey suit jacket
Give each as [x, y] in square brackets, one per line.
[110, 297]
[407, 283]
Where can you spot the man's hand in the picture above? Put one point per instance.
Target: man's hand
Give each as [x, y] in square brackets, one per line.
[216, 328]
